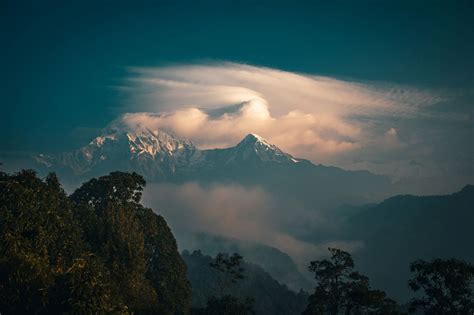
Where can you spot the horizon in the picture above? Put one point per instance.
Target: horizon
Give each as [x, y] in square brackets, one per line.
[270, 129]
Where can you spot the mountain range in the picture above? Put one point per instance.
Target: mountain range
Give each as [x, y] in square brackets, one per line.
[393, 232]
[162, 157]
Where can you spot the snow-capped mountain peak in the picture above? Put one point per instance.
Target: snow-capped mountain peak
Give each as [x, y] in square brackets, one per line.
[256, 146]
[159, 155]
[123, 147]
[140, 141]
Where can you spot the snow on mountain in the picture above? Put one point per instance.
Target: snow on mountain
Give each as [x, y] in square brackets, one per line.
[121, 147]
[157, 154]
[265, 151]
[162, 157]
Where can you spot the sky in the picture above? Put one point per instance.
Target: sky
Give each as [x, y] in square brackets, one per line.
[381, 85]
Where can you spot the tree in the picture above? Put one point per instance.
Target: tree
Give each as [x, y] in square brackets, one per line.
[340, 289]
[98, 251]
[166, 268]
[106, 208]
[227, 305]
[135, 243]
[231, 271]
[44, 265]
[446, 284]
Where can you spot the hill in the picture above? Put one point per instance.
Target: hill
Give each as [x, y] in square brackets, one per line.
[404, 228]
[270, 296]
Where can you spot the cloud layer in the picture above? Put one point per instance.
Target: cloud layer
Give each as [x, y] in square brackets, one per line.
[313, 117]
[240, 212]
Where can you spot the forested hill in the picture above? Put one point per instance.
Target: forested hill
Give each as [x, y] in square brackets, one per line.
[94, 252]
[270, 297]
[404, 228]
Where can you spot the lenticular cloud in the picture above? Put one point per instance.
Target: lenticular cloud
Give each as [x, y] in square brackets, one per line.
[313, 117]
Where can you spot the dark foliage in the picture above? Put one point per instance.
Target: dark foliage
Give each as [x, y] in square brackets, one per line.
[446, 285]
[341, 290]
[404, 228]
[98, 251]
[226, 305]
[230, 271]
[269, 296]
[230, 268]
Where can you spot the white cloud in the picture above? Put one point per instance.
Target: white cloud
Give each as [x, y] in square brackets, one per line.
[314, 117]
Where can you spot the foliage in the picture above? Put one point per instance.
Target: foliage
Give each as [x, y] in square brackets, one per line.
[97, 251]
[403, 228]
[341, 289]
[270, 297]
[166, 269]
[230, 268]
[226, 305]
[446, 284]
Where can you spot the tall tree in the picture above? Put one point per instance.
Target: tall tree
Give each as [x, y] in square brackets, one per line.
[44, 265]
[446, 285]
[230, 270]
[98, 251]
[340, 289]
[135, 243]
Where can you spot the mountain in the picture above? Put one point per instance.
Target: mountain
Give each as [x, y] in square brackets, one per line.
[158, 155]
[277, 263]
[155, 154]
[162, 157]
[404, 228]
[269, 295]
[252, 149]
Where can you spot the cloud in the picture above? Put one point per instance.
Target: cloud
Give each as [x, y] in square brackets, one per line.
[314, 117]
[238, 212]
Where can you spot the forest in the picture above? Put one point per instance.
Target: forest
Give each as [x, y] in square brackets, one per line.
[99, 250]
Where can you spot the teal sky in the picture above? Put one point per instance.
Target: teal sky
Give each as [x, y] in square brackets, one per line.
[60, 60]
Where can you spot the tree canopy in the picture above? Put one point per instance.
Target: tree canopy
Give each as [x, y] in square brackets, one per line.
[341, 289]
[96, 251]
[446, 286]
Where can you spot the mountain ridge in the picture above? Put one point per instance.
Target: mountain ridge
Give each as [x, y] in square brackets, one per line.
[157, 152]
[162, 157]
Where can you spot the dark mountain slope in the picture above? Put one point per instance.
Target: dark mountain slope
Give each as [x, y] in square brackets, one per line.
[270, 296]
[277, 263]
[404, 228]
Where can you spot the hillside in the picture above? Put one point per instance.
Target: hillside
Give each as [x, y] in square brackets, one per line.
[404, 228]
[270, 296]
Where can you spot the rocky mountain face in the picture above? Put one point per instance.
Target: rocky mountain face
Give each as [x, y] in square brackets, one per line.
[158, 155]
[155, 154]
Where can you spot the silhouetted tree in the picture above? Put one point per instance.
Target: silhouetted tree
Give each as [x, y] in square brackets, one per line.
[227, 305]
[231, 271]
[446, 284]
[340, 289]
[270, 297]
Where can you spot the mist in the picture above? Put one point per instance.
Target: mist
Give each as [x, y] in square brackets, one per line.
[246, 213]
